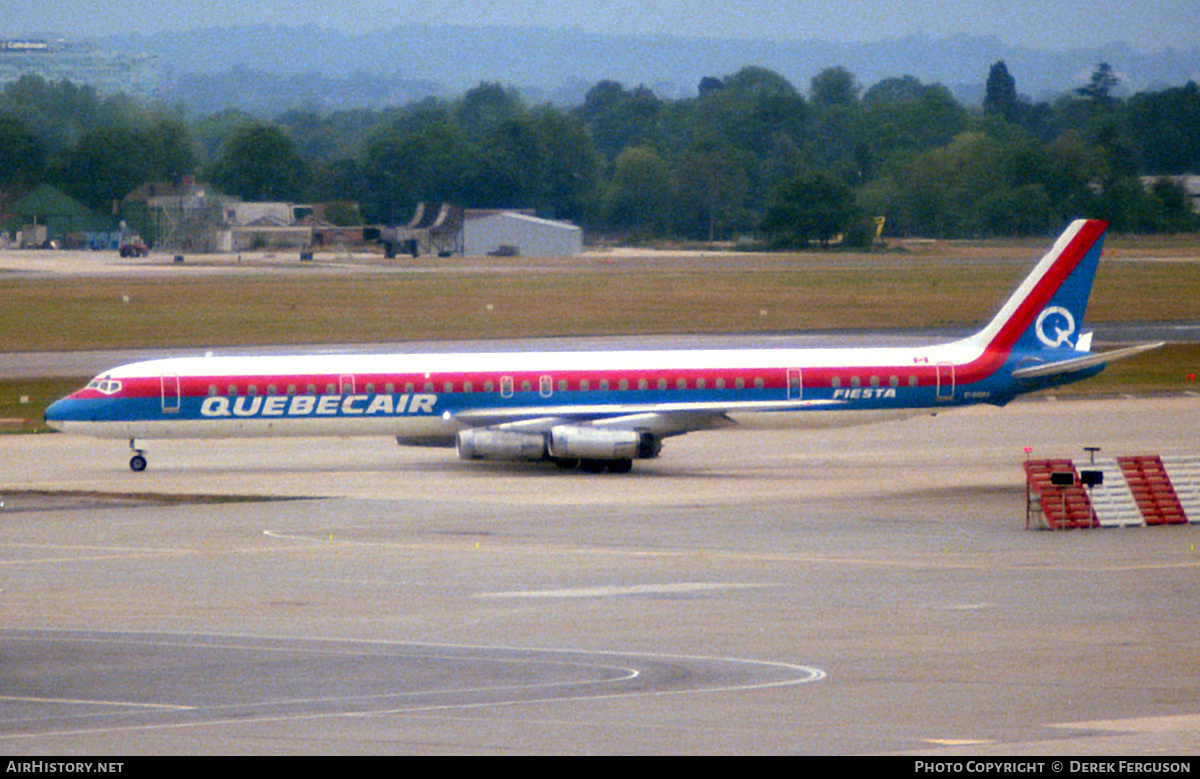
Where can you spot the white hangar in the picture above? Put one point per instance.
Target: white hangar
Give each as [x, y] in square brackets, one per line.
[514, 233]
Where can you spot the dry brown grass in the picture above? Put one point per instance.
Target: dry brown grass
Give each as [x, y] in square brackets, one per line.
[819, 293]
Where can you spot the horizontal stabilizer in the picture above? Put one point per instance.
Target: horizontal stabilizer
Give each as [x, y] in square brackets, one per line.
[1081, 363]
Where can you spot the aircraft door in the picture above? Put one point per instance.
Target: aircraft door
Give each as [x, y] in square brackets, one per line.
[170, 394]
[945, 382]
[346, 384]
[795, 384]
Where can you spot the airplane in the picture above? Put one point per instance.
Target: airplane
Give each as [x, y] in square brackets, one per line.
[601, 410]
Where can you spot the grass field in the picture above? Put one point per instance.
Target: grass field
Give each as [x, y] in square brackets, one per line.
[93, 313]
[932, 286]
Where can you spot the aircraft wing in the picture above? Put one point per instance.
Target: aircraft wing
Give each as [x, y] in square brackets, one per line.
[1082, 363]
[666, 418]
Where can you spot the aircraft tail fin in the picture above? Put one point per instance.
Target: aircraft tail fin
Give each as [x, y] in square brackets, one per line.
[1047, 309]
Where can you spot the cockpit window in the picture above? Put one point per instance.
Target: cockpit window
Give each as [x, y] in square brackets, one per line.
[105, 385]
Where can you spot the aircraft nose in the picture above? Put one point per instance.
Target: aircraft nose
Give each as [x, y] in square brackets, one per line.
[56, 413]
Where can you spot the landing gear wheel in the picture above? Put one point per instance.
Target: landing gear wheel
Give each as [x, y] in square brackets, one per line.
[566, 463]
[620, 466]
[592, 466]
[137, 463]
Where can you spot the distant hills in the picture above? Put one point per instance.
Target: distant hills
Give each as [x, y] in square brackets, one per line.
[269, 69]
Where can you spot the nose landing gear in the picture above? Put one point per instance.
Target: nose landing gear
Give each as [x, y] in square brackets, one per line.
[137, 463]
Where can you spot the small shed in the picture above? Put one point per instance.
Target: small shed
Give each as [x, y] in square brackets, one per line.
[57, 215]
[515, 233]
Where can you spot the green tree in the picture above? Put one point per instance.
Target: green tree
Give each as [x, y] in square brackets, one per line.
[1099, 88]
[943, 190]
[904, 117]
[619, 119]
[487, 106]
[833, 86]
[22, 156]
[511, 169]
[172, 151]
[407, 164]
[752, 108]
[260, 163]
[570, 165]
[642, 192]
[1166, 129]
[109, 163]
[1001, 98]
[714, 183]
[1072, 168]
[809, 206]
[1175, 206]
[58, 114]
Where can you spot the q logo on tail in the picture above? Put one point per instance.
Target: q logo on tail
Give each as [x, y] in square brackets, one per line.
[1061, 321]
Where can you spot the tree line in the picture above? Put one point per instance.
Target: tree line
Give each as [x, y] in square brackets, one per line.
[750, 156]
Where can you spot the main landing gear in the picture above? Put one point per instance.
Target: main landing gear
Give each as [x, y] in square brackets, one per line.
[137, 463]
[594, 466]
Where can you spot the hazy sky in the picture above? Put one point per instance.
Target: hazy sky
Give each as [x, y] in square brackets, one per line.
[1145, 24]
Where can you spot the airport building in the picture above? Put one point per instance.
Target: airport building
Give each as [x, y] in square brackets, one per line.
[450, 230]
[516, 233]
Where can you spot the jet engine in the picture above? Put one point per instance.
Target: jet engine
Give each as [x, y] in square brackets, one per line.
[570, 442]
[489, 444]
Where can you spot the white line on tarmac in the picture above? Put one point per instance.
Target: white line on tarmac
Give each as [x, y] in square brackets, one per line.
[78, 702]
[609, 592]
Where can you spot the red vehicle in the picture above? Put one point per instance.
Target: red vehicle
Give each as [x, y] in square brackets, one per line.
[134, 247]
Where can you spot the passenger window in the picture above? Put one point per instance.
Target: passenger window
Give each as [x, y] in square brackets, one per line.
[642, 384]
[720, 384]
[758, 383]
[584, 385]
[623, 384]
[835, 382]
[874, 381]
[739, 383]
[212, 390]
[468, 386]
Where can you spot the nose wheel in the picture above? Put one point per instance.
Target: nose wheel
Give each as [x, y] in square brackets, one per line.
[137, 463]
